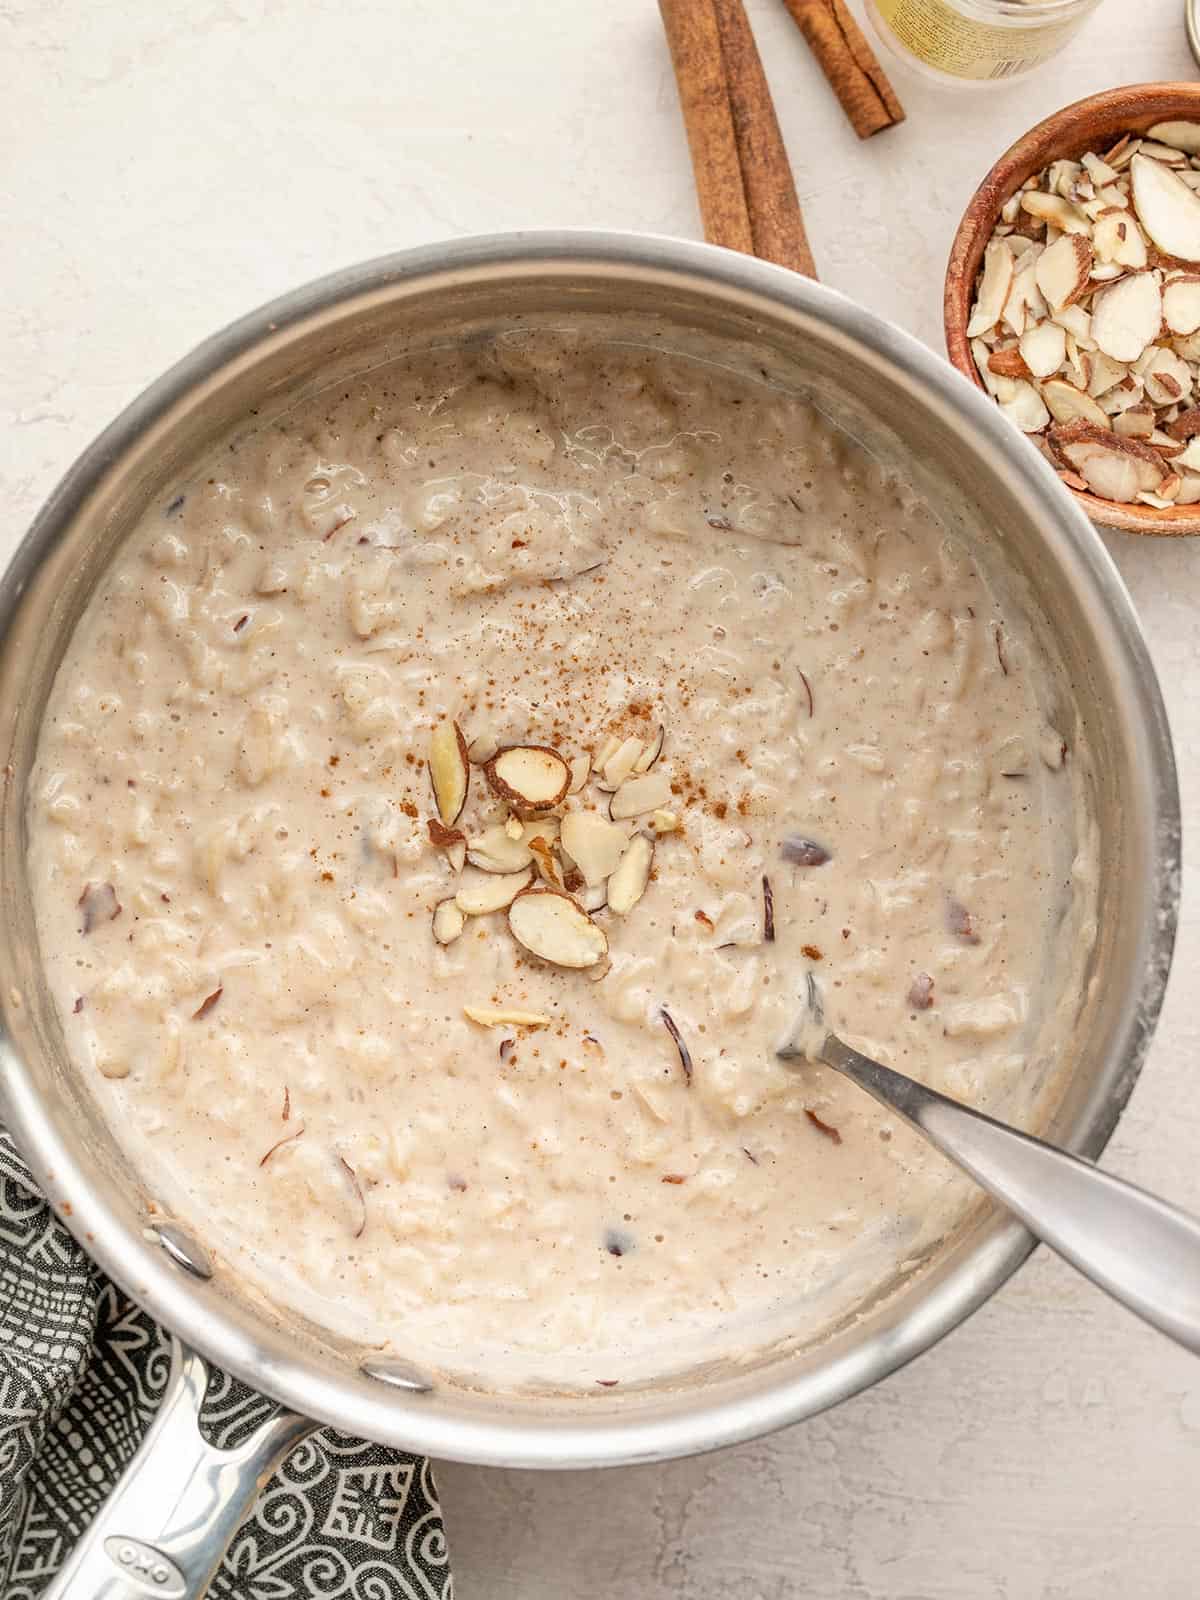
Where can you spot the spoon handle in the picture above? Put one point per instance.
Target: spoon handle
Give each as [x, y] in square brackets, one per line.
[1143, 1251]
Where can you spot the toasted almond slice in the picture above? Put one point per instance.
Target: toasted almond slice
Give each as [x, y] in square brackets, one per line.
[1118, 240]
[1119, 156]
[628, 883]
[1188, 493]
[652, 751]
[1043, 349]
[594, 844]
[1167, 209]
[1167, 379]
[664, 822]
[1126, 317]
[1026, 410]
[448, 921]
[1121, 396]
[491, 892]
[1181, 303]
[1066, 403]
[1112, 196]
[547, 867]
[620, 764]
[1115, 468]
[993, 288]
[1190, 457]
[505, 1017]
[553, 926]
[1078, 324]
[1061, 271]
[581, 768]
[1009, 362]
[1180, 135]
[1106, 272]
[648, 792]
[1098, 171]
[1052, 208]
[449, 771]
[1136, 423]
[1008, 211]
[594, 898]
[1162, 152]
[1062, 176]
[528, 777]
[1187, 346]
[1105, 372]
[1186, 424]
[456, 855]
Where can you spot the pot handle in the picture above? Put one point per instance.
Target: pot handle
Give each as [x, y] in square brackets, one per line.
[167, 1523]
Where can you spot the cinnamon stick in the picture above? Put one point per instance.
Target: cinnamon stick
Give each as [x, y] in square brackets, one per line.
[776, 222]
[849, 64]
[695, 44]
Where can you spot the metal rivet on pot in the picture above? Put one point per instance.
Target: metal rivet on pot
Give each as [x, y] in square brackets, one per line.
[184, 1250]
[400, 1374]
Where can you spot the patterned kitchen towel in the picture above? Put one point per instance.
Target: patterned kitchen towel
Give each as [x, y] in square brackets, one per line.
[81, 1373]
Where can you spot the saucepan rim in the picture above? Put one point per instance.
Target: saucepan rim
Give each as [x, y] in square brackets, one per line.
[275, 1362]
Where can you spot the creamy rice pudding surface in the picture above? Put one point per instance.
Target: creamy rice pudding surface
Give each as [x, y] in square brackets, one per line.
[672, 577]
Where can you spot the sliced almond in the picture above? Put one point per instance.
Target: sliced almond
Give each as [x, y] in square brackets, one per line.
[456, 855]
[594, 844]
[1026, 409]
[1118, 157]
[556, 928]
[491, 892]
[1188, 493]
[547, 867]
[1188, 346]
[647, 792]
[498, 849]
[1167, 379]
[1113, 197]
[1000, 388]
[1042, 350]
[1121, 396]
[1118, 239]
[652, 751]
[1126, 317]
[448, 921]
[528, 777]
[1077, 364]
[505, 1017]
[1186, 424]
[1136, 423]
[1010, 363]
[1025, 303]
[607, 749]
[628, 883]
[1098, 171]
[594, 898]
[1165, 445]
[1190, 457]
[1162, 152]
[993, 288]
[1105, 373]
[664, 822]
[514, 828]
[1078, 323]
[620, 764]
[1181, 303]
[581, 768]
[1115, 468]
[1052, 208]
[1167, 209]
[1180, 135]
[1061, 271]
[1106, 272]
[449, 771]
[1066, 403]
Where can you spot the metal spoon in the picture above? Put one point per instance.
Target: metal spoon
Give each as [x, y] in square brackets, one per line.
[1142, 1251]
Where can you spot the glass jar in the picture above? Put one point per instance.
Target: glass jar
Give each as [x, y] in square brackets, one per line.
[977, 42]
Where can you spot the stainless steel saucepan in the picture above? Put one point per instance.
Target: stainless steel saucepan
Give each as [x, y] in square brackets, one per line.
[164, 1529]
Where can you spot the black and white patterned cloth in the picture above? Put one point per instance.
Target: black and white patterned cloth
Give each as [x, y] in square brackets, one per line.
[82, 1370]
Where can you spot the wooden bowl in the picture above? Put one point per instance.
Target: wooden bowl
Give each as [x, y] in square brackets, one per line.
[1091, 124]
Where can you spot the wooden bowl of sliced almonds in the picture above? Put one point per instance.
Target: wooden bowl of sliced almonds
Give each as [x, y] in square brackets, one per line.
[1072, 297]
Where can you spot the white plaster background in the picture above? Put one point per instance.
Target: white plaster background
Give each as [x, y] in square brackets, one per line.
[167, 164]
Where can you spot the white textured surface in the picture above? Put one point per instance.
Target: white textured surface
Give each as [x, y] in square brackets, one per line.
[163, 167]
